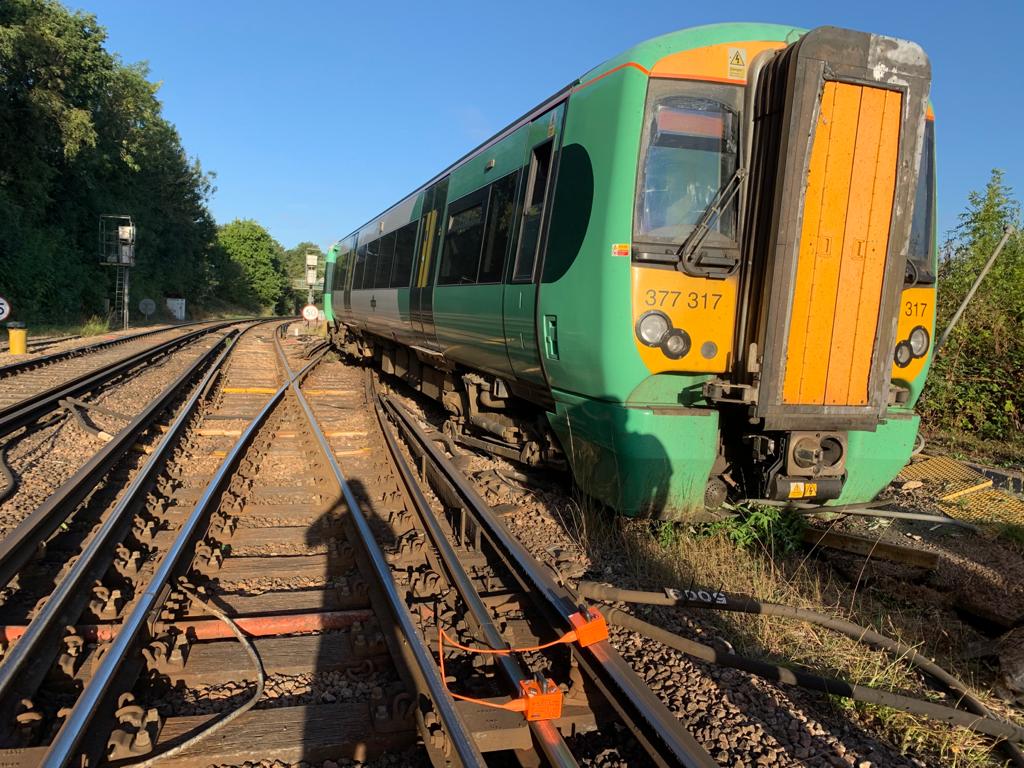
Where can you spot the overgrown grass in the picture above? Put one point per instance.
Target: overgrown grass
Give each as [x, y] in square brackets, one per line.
[760, 553]
[94, 326]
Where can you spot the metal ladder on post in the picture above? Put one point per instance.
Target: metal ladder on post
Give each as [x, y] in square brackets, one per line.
[120, 308]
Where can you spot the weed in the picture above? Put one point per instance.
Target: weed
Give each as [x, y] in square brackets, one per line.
[94, 326]
[668, 533]
[759, 553]
[768, 529]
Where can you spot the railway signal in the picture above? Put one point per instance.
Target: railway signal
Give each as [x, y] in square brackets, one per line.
[117, 249]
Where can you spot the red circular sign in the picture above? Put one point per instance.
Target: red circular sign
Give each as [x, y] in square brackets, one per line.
[310, 312]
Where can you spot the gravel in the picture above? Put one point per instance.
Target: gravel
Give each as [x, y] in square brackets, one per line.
[740, 719]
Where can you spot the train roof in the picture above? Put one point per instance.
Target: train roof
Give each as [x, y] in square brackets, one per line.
[649, 52]
[645, 54]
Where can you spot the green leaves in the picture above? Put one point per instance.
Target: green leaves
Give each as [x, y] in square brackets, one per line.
[975, 382]
[258, 280]
[81, 134]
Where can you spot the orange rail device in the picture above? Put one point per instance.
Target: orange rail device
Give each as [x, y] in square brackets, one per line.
[538, 699]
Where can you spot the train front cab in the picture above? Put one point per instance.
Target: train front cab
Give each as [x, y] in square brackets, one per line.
[775, 343]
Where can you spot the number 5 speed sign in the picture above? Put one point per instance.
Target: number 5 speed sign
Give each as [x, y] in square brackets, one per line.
[5, 309]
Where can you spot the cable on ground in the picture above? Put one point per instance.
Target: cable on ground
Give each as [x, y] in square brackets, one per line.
[235, 714]
[983, 722]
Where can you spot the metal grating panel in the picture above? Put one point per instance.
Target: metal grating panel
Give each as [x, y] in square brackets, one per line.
[966, 494]
[986, 507]
[951, 477]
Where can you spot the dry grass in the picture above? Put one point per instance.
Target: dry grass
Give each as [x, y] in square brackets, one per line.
[673, 556]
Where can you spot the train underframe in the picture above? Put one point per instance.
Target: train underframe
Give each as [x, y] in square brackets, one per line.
[716, 453]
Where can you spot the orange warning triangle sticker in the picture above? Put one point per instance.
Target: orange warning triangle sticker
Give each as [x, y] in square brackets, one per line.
[736, 60]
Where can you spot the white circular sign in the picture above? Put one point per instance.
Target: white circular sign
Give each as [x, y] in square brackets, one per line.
[147, 306]
[5, 308]
[310, 312]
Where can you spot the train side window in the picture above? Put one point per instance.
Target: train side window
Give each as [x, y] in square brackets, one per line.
[357, 278]
[533, 212]
[500, 215]
[460, 260]
[405, 248]
[370, 270]
[385, 258]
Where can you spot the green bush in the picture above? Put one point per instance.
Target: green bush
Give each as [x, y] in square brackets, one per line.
[975, 381]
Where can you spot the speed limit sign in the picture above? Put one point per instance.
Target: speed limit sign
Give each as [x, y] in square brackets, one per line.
[310, 312]
[5, 308]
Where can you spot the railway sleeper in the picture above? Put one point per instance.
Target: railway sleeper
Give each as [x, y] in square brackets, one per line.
[215, 663]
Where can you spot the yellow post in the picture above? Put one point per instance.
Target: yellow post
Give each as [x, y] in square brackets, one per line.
[17, 340]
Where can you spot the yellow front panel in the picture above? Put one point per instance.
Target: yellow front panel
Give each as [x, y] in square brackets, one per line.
[705, 309]
[843, 245]
[917, 308]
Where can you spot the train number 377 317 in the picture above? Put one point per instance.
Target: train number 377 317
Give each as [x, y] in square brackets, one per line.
[694, 300]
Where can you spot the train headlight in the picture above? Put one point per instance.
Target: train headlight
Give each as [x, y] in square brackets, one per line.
[903, 355]
[919, 341]
[652, 327]
[675, 344]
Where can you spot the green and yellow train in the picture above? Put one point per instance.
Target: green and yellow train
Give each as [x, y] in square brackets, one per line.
[705, 269]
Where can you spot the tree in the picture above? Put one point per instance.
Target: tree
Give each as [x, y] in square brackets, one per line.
[81, 134]
[975, 382]
[248, 245]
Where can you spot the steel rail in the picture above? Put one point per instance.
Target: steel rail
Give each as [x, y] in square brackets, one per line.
[459, 735]
[63, 748]
[666, 740]
[55, 357]
[544, 731]
[19, 546]
[24, 412]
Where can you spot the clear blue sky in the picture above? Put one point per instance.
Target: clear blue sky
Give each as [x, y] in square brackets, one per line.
[315, 115]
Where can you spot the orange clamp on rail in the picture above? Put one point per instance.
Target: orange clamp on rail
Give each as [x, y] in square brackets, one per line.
[588, 629]
[538, 699]
[541, 700]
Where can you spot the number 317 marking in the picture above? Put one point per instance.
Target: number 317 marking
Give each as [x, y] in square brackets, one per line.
[694, 300]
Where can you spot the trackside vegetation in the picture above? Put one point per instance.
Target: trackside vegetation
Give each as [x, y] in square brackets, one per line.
[82, 134]
[974, 399]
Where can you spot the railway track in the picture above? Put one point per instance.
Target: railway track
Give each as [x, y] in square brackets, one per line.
[54, 418]
[26, 377]
[278, 560]
[282, 499]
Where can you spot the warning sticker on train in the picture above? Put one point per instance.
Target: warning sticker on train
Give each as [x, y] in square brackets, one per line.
[737, 64]
[5, 308]
[310, 312]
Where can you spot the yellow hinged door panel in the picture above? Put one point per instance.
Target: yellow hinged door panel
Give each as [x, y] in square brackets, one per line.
[843, 245]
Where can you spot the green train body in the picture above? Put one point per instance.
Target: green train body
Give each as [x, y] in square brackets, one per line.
[704, 269]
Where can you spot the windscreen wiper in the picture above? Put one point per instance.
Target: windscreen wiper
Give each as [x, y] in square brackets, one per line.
[721, 201]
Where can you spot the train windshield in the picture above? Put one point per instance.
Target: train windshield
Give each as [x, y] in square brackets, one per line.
[922, 228]
[690, 148]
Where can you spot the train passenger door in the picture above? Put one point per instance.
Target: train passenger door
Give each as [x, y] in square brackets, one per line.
[520, 299]
[421, 295]
[348, 249]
